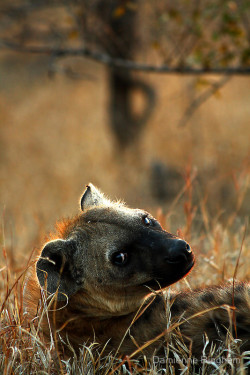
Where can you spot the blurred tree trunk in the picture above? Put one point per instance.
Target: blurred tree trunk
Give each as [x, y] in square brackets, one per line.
[121, 40]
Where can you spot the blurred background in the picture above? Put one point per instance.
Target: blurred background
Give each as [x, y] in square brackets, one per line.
[81, 101]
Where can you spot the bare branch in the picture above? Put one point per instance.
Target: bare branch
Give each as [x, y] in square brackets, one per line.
[196, 103]
[122, 63]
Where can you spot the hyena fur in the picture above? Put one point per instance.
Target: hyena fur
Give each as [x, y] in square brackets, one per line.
[105, 276]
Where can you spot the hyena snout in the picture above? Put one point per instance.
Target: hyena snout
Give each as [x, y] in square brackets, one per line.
[178, 252]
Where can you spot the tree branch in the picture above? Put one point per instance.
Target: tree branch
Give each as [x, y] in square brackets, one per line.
[121, 63]
[196, 103]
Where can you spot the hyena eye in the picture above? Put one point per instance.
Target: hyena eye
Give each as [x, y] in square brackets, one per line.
[120, 259]
[146, 221]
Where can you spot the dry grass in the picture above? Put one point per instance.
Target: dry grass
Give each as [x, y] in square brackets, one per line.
[221, 255]
[55, 139]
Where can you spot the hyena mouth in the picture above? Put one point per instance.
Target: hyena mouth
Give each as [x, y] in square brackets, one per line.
[169, 278]
[189, 266]
[190, 261]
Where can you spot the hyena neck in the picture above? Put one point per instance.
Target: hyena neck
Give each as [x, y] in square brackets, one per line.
[100, 306]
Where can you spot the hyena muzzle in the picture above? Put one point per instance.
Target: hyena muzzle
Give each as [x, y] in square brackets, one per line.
[110, 262]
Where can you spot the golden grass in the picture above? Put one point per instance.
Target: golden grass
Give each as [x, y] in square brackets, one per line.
[55, 139]
[221, 255]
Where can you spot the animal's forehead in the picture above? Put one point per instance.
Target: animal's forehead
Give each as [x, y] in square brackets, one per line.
[119, 215]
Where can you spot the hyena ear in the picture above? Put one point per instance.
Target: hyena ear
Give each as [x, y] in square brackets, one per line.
[54, 268]
[92, 197]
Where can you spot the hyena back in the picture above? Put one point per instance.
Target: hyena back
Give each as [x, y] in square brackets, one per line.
[106, 272]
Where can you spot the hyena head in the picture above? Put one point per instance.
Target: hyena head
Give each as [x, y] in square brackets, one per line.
[112, 254]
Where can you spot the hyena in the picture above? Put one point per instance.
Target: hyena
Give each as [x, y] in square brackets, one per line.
[105, 276]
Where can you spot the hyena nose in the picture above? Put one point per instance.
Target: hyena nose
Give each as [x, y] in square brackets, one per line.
[179, 252]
